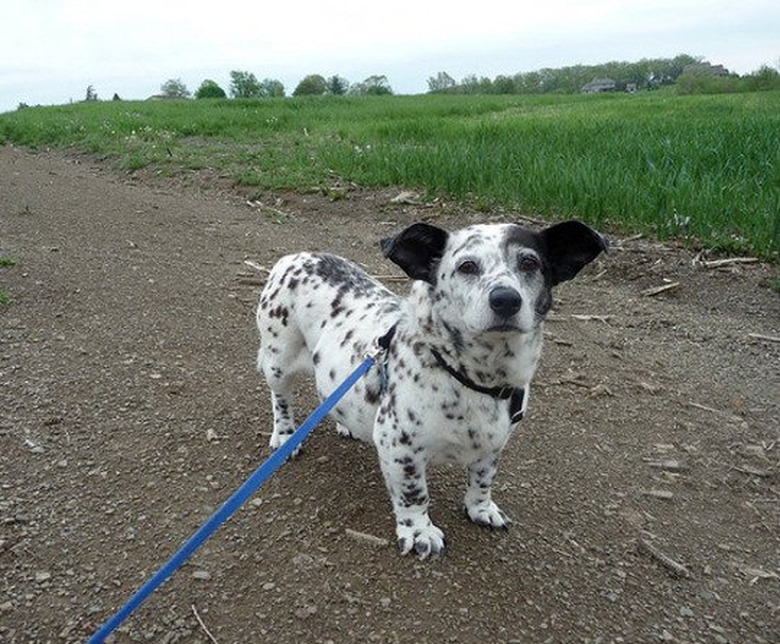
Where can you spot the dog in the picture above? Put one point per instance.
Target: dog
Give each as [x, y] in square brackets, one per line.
[461, 351]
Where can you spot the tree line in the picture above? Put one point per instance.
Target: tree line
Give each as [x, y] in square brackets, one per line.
[245, 84]
[690, 74]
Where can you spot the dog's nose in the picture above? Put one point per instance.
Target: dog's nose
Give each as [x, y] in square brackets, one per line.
[505, 301]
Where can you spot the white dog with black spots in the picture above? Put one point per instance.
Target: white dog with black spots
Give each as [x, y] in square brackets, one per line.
[462, 349]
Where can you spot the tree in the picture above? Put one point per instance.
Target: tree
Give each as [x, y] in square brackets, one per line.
[765, 78]
[311, 85]
[210, 89]
[372, 86]
[337, 85]
[271, 88]
[442, 82]
[91, 94]
[174, 88]
[244, 85]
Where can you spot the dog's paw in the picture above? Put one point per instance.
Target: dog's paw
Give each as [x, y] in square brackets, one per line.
[488, 515]
[343, 431]
[424, 541]
[278, 439]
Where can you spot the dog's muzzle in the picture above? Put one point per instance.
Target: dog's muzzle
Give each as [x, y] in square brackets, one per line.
[504, 301]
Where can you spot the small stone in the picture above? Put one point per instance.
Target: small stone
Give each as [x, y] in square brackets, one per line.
[203, 575]
[385, 602]
[305, 611]
[269, 585]
[211, 435]
[41, 577]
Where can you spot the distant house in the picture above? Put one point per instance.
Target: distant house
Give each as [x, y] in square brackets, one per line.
[598, 85]
[713, 70]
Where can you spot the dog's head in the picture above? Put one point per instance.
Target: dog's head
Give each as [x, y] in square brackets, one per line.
[493, 278]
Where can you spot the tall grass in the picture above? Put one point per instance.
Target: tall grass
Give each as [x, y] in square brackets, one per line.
[706, 168]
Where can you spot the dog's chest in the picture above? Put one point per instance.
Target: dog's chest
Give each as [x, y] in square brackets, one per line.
[452, 424]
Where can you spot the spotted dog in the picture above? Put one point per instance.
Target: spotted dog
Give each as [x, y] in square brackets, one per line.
[461, 351]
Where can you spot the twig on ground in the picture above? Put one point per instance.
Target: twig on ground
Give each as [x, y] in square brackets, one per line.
[668, 464]
[250, 280]
[257, 267]
[368, 538]
[729, 261]
[762, 521]
[675, 568]
[712, 410]
[761, 336]
[752, 471]
[202, 625]
[589, 318]
[278, 216]
[658, 494]
[391, 278]
[652, 292]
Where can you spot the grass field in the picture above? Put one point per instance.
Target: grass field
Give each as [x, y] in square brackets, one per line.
[701, 168]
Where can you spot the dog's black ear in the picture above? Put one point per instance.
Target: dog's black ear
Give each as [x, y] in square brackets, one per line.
[416, 250]
[570, 246]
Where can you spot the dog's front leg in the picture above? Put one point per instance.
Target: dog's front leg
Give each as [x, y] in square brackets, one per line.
[404, 473]
[479, 506]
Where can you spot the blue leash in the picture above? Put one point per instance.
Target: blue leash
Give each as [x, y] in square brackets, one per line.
[239, 497]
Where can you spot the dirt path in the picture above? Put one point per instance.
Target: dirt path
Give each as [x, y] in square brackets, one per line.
[131, 410]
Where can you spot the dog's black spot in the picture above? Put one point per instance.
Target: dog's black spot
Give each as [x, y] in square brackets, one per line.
[332, 374]
[413, 495]
[347, 337]
[456, 336]
[342, 274]
[292, 284]
[275, 294]
[315, 358]
[281, 312]
[405, 438]
[372, 395]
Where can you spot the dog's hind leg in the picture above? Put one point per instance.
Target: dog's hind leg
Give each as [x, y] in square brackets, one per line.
[480, 508]
[280, 359]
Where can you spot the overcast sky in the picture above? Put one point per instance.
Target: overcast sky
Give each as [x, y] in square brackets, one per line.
[51, 50]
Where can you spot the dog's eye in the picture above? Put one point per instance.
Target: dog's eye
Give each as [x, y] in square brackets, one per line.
[468, 267]
[528, 264]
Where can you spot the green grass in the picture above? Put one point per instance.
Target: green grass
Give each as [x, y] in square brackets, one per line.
[699, 168]
[5, 262]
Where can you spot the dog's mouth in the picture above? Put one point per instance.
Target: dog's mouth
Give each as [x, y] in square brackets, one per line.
[505, 327]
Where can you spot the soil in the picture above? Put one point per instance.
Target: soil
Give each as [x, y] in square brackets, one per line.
[644, 484]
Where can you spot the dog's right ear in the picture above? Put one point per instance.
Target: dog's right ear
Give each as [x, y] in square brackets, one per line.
[416, 249]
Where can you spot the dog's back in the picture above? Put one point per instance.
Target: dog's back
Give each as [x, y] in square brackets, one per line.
[320, 314]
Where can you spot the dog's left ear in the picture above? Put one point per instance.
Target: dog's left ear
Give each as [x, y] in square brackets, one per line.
[570, 246]
[416, 249]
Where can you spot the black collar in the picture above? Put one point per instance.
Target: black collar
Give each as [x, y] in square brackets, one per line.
[515, 394]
